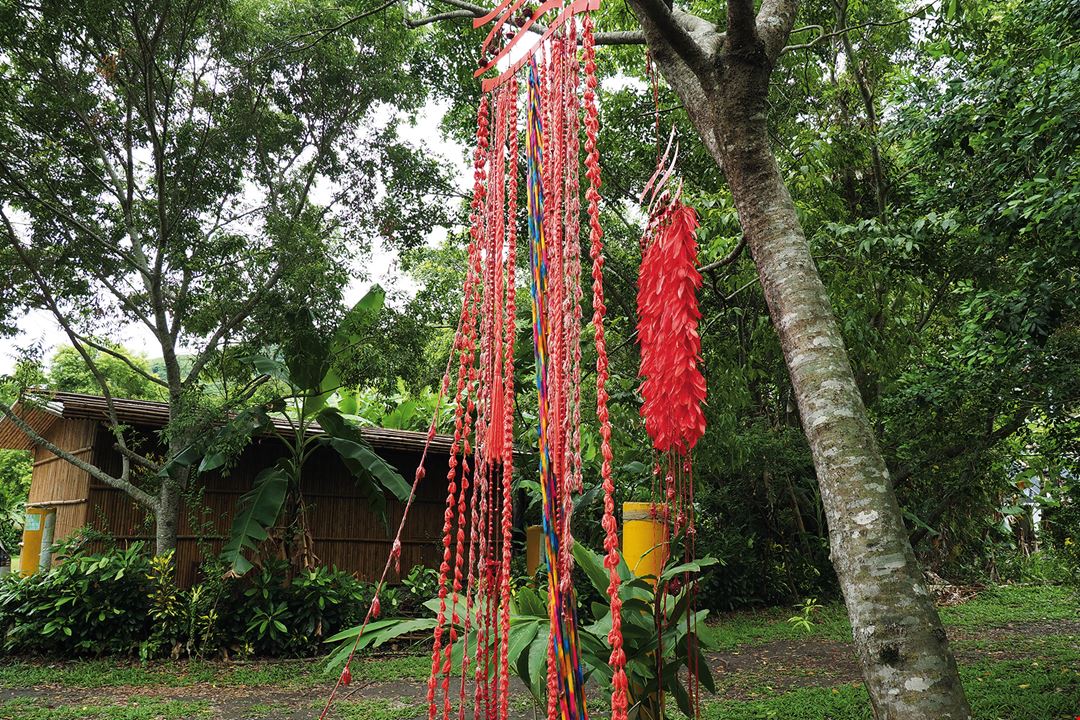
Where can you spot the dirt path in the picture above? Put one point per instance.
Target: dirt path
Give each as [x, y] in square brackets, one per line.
[746, 673]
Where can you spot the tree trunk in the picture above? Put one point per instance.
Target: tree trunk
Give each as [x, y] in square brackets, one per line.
[907, 665]
[723, 83]
[167, 517]
[170, 495]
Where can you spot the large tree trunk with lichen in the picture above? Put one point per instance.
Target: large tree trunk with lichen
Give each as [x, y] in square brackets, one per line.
[908, 668]
[723, 82]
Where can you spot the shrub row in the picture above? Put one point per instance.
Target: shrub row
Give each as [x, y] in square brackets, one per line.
[125, 602]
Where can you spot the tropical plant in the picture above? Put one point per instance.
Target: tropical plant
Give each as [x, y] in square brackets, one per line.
[804, 618]
[15, 471]
[86, 605]
[421, 581]
[663, 636]
[306, 381]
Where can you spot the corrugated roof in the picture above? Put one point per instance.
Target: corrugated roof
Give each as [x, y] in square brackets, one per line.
[50, 406]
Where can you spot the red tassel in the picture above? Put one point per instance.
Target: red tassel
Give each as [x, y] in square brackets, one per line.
[395, 554]
[668, 315]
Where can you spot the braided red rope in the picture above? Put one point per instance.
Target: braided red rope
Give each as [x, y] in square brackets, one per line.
[463, 345]
[508, 405]
[596, 249]
[394, 558]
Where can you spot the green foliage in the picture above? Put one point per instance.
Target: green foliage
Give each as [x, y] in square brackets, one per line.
[15, 469]
[183, 622]
[804, 619]
[419, 584]
[307, 384]
[85, 605]
[684, 637]
[295, 618]
[123, 602]
[256, 511]
[68, 371]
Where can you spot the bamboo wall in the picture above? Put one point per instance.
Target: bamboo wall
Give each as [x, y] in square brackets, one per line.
[56, 482]
[346, 533]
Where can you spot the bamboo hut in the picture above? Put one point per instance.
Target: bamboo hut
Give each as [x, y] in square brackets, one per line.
[346, 533]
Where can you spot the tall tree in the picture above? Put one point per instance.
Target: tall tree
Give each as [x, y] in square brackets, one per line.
[192, 168]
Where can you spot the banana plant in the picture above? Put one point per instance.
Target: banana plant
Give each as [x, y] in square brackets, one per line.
[274, 508]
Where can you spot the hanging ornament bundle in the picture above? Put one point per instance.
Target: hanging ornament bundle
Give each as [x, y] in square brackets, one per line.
[539, 101]
[673, 387]
[558, 103]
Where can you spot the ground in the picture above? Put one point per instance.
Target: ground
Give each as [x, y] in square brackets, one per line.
[1018, 649]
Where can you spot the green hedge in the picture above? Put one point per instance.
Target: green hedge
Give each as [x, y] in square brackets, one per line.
[125, 602]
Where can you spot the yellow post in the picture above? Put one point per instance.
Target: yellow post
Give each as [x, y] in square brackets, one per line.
[645, 540]
[34, 527]
[534, 540]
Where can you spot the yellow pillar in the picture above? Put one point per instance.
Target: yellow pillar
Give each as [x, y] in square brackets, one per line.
[35, 525]
[534, 541]
[645, 540]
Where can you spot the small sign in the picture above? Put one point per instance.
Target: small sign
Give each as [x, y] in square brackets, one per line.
[33, 522]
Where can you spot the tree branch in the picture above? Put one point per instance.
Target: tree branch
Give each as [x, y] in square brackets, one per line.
[230, 323]
[470, 11]
[951, 453]
[123, 358]
[728, 259]
[136, 458]
[741, 25]
[665, 27]
[321, 34]
[141, 496]
[774, 23]
[825, 36]
[54, 308]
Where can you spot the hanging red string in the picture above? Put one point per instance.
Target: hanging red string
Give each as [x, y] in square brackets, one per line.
[596, 249]
[473, 620]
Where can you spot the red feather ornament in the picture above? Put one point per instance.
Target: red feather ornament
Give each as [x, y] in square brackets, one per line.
[673, 387]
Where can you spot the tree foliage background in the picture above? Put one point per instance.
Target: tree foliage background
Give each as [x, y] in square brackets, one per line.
[932, 154]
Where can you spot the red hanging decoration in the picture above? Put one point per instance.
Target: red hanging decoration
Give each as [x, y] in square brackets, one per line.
[473, 617]
[668, 315]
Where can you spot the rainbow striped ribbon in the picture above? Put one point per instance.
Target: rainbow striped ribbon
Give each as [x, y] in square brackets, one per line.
[562, 609]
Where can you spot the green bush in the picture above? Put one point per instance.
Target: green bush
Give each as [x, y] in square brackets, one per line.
[1061, 532]
[293, 618]
[86, 605]
[123, 601]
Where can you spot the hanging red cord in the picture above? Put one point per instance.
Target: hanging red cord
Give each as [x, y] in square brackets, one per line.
[596, 249]
[508, 405]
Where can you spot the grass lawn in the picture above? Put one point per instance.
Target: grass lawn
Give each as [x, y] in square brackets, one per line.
[1018, 648]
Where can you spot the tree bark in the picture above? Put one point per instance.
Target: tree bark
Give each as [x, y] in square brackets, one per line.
[723, 83]
[167, 517]
[905, 657]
